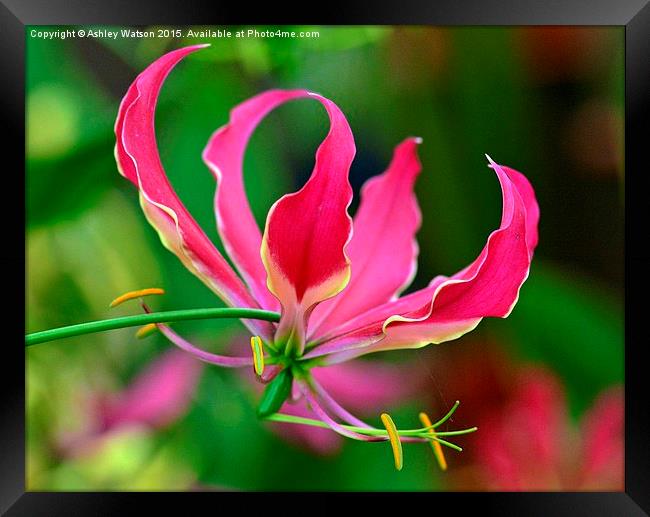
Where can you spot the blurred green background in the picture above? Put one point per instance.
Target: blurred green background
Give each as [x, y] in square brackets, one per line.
[546, 101]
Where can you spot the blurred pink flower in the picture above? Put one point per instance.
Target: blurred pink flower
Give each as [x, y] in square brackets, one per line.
[531, 445]
[157, 397]
[527, 440]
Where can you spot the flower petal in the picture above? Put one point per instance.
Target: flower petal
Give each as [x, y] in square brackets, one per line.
[533, 424]
[306, 233]
[137, 157]
[487, 287]
[383, 250]
[525, 190]
[603, 450]
[159, 395]
[224, 155]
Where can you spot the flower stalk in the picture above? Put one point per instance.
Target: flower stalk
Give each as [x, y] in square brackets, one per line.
[143, 319]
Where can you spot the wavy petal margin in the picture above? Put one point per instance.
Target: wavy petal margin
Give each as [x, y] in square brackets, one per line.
[224, 155]
[383, 250]
[136, 153]
[303, 247]
[487, 287]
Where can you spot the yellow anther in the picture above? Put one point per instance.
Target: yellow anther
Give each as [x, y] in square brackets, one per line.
[146, 330]
[136, 294]
[258, 354]
[394, 439]
[437, 448]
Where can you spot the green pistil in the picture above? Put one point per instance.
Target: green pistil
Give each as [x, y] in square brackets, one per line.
[275, 393]
[308, 364]
[423, 432]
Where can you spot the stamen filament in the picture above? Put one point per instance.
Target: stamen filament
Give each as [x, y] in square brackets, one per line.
[435, 445]
[145, 331]
[136, 294]
[258, 354]
[394, 440]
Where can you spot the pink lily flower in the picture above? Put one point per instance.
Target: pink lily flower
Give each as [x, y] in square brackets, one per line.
[335, 280]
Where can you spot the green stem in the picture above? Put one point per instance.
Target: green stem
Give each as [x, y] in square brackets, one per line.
[143, 319]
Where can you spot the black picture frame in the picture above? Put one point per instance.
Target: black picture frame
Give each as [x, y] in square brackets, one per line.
[634, 15]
